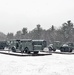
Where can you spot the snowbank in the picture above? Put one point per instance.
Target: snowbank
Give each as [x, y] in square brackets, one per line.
[55, 64]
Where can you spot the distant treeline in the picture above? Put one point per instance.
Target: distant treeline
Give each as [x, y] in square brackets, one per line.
[63, 34]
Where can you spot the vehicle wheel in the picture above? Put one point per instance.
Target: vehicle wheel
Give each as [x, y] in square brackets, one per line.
[13, 49]
[70, 50]
[67, 49]
[50, 49]
[54, 50]
[36, 52]
[3, 48]
[22, 51]
[27, 50]
[62, 49]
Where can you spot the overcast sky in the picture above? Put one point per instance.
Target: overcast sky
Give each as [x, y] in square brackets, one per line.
[16, 14]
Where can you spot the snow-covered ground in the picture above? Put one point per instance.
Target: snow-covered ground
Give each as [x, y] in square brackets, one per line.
[55, 64]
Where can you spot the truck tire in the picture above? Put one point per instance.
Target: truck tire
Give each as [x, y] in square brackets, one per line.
[36, 52]
[70, 50]
[13, 49]
[27, 50]
[62, 49]
[67, 49]
[54, 50]
[50, 49]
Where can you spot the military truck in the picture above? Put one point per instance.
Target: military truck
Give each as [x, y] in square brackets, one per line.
[3, 44]
[63, 47]
[71, 44]
[27, 45]
[68, 47]
[13, 44]
[55, 45]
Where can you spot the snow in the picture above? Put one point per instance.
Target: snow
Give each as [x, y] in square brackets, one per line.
[55, 64]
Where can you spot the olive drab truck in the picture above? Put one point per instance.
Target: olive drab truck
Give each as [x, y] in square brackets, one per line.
[67, 47]
[63, 47]
[3, 44]
[71, 44]
[27, 45]
[13, 45]
[38, 45]
[55, 45]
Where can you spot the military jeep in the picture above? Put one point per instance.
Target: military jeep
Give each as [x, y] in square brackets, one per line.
[66, 48]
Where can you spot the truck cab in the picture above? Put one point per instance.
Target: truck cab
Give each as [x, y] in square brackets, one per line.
[14, 44]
